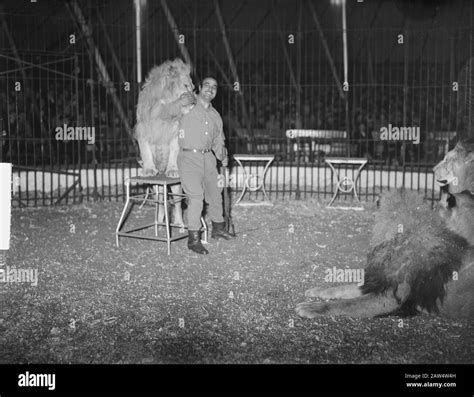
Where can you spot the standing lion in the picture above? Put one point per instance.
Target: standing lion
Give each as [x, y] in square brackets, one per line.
[166, 95]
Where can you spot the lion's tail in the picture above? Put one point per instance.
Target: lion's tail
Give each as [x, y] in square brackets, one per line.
[369, 305]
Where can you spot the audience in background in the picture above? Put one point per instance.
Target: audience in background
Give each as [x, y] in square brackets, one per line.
[271, 109]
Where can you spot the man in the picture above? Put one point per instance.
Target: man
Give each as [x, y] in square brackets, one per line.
[201, 141]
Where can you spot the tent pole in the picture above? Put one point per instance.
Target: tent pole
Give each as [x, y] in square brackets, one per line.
[175, 30]
[94, 53]
[233, 69]
[346, 74]
[138, 40]
[326, 49]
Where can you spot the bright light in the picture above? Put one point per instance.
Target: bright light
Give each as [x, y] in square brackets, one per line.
[140, 4]
[337, 2]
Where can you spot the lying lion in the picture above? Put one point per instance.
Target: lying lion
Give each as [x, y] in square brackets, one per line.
[428, 266]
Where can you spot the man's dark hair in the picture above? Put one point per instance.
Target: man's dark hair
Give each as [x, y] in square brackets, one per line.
[207, 76]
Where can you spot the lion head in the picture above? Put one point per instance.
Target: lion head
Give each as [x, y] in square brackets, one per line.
[164, 84]
[457, 211]
[456, 170]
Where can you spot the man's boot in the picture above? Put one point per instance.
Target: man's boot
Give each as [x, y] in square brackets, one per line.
[194, 242]
[218, 231]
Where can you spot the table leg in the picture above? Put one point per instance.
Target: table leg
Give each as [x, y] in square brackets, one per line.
[263, 179]
[122, 217]
[355, 181]
[355, 191]
[337, 185]
[244, 189]
[333, 197]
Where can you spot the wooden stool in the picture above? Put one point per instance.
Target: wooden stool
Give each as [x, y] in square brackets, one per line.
[156, 181]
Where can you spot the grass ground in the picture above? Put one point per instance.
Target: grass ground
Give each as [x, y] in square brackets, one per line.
[96, 303]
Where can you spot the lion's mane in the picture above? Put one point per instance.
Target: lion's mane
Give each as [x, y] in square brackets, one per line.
[424, 253]
[163, 85]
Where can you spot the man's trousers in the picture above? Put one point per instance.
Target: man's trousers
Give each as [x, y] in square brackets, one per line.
[198, 174]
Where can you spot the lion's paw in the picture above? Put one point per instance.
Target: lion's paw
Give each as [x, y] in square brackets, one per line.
[314, 293]
[172, 173]
[324, 293]
[149, 172]
[311, 309]
[347, 291]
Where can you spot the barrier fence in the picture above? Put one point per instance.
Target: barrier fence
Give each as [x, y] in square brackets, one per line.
[280, 66]
[285, 179]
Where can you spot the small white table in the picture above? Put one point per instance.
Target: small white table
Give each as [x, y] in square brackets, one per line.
[346, 184]
[261, 184]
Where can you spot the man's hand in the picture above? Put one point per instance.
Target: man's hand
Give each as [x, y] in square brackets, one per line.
[221, 182]
[175, 108]
[186, 99]
[225, 161]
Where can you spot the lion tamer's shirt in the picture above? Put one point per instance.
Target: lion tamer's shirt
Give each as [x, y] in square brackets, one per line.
[202, 128]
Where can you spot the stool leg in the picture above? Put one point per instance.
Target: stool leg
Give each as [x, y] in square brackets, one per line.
[146, 197]
[167, 221]
[160, 206]
[122, 217]
[156, 189]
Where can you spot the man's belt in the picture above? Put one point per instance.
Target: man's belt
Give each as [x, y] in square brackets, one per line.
[195, 150]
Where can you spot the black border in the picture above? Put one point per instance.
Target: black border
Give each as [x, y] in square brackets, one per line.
[277, 380]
